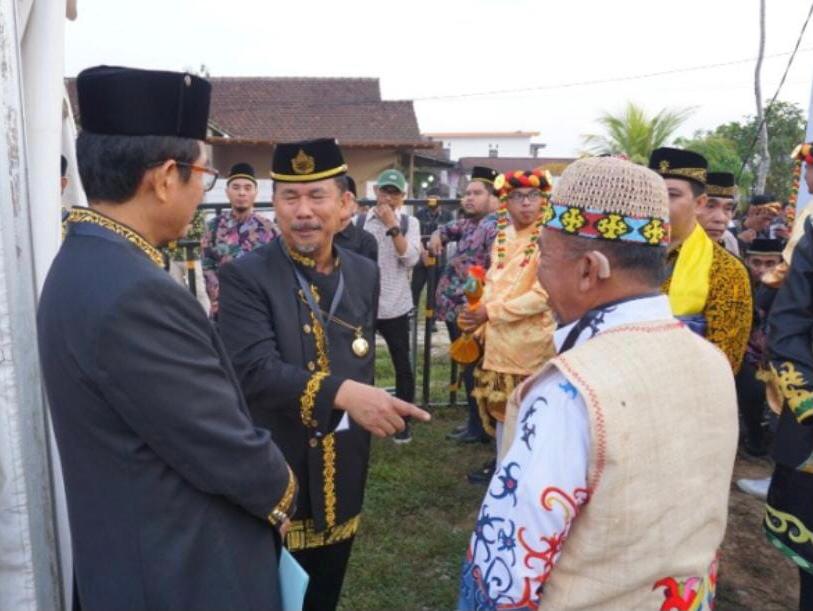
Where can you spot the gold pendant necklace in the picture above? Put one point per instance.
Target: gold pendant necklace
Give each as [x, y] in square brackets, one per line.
[360, 346]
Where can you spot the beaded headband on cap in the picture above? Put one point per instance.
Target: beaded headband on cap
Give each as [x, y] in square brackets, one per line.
[503, 185]
[610, 199]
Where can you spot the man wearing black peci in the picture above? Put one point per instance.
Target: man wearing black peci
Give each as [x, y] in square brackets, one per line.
[174, 497]
[298, 319]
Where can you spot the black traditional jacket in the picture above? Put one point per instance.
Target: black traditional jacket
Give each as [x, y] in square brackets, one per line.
[790, 332]
[358, 240]
[169, 484]
[291, 369]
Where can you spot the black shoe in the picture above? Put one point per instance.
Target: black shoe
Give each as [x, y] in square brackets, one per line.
[467, 437]
[403, 437]
[457, 432]
[484, 474]
[755, 449]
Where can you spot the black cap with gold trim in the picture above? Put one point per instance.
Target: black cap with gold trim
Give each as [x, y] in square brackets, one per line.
[766, 246]
[721, 184]
[484, 174]
[679, 163]
[307, 161]
[242, 170]
[132, 102]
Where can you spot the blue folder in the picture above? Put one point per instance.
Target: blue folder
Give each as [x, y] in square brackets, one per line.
[293, 581]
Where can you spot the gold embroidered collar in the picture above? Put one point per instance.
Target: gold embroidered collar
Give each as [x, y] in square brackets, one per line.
[87, 215]
[306, 261]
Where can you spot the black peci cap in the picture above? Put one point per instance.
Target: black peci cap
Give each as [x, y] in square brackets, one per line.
[766, 246]
[721, 184]
[242, 170]
[307, 161]
[679, 163]
[484, 174]
[133, 102]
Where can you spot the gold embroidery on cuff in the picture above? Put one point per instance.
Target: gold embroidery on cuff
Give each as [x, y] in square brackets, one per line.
[287, 501]
[303, 535]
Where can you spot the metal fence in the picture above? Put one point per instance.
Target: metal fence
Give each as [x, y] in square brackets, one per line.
[430, 291]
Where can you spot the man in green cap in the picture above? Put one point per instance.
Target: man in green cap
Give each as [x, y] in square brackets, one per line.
[399, 248]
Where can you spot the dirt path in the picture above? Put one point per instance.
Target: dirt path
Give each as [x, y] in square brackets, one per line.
[753, 575]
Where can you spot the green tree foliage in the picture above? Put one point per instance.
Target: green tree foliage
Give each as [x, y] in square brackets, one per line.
[634, 132]
[786, 129]
[721, 154]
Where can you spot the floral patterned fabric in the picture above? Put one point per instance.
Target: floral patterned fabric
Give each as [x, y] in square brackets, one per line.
[227, 238]
[531, 502]
[474, 238]
[541, 485]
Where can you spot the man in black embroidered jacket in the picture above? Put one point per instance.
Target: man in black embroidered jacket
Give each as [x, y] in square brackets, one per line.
[173, 494]
[298, 317]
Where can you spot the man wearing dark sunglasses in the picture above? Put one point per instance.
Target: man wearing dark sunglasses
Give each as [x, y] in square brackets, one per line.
[175, 499]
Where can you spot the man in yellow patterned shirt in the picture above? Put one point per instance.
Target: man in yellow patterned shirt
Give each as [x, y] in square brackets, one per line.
[513, 317]
[708, 287]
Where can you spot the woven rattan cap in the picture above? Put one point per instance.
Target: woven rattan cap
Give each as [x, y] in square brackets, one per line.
[609, 184]
[610, 199]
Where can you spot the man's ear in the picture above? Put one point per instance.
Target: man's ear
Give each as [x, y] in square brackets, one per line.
[593, 268]
[701, 201]
[345, 204]
[162, 179]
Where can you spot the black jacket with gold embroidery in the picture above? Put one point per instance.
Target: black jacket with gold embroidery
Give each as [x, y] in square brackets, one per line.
[169, 484]
[790, 333]
[290, 380]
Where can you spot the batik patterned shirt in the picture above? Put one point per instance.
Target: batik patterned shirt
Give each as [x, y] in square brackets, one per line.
[540, 486]
[227, 238]
[474, 238]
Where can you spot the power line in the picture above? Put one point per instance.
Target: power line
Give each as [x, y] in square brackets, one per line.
[747, 157]
[619, 79]
[298, 105]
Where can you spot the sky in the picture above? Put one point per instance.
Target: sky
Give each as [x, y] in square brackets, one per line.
[444, 53]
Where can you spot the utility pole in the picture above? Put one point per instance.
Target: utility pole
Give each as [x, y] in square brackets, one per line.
[764, 165]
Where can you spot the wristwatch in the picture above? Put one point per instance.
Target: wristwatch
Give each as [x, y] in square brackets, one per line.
[394, 231]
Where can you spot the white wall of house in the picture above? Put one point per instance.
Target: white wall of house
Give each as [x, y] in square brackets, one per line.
[481, 146]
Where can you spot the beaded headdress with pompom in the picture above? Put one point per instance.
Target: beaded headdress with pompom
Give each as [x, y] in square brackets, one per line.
[503, 185]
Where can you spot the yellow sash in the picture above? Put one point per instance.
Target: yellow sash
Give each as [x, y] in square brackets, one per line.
[689, 288]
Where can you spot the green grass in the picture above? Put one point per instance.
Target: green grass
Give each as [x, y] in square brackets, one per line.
[419, 510]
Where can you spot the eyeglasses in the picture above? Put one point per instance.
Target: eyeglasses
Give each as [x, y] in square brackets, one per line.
[517, 197]
[210, 175]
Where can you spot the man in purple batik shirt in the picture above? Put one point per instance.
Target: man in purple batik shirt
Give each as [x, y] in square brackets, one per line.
[234, 232]
[474, 234]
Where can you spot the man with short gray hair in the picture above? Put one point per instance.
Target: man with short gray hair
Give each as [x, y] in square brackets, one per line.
[636, 415]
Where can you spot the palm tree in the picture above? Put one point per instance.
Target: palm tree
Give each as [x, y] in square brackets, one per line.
[634, 133]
